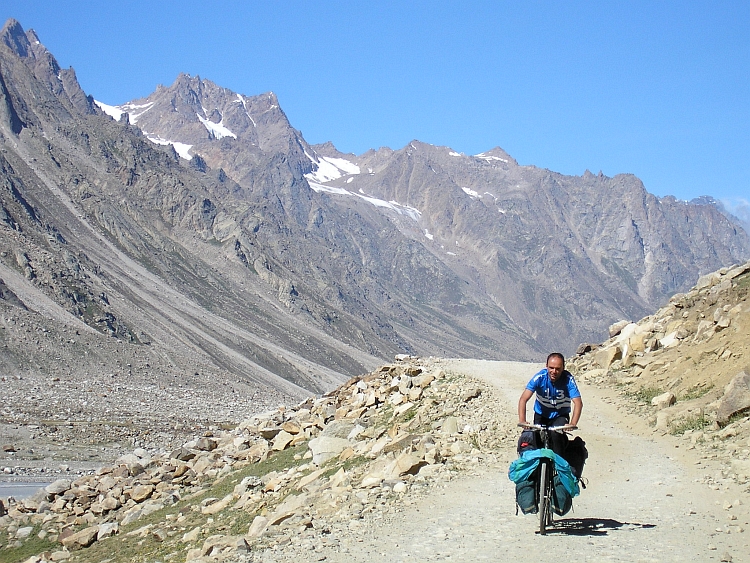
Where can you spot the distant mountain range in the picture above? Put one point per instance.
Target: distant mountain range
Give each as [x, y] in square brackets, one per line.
[198, 227]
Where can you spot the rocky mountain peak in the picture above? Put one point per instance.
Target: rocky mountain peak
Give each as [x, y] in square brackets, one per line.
[13, 36]
[497, 154]
[227, 129]
[26, 49]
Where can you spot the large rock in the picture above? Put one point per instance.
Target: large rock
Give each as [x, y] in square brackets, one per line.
[606, 356]
[736, 397]
[616, 328]
[108, 529]
[282, 440]
[141, 492]
[58, 487]
[664, 400]
[327, 447]
[84, 538]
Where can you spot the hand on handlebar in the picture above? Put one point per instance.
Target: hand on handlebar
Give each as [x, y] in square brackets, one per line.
[564, 428]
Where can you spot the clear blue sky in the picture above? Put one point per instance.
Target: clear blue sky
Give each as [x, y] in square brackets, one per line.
[657, 89]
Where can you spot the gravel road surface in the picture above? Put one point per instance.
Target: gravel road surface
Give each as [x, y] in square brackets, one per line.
[645, 501]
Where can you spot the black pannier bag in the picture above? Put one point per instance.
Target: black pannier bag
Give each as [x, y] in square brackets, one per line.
[576, 455]
[528, 440]
[562, 502]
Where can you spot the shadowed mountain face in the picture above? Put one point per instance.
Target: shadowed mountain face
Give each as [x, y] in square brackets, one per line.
[203, 232]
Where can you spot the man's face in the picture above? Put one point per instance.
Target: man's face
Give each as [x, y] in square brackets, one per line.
[555, 367]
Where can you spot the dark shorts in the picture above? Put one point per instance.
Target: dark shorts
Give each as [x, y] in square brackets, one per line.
[559, 440]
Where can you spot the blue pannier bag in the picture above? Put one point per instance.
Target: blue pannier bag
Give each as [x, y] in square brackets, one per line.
[522, 472]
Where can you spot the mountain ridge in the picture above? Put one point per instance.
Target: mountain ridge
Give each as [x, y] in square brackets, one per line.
[272, 268]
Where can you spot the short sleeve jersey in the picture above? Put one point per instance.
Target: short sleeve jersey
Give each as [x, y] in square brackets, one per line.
[553, 399]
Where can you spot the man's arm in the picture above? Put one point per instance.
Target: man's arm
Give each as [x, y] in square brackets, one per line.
[525, 396]
[576, 411]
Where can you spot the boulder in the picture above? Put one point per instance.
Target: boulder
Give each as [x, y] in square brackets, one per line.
[141, 492]
[282, 440]
[108, 529]
[664, 400]
[736, 397]
[616, 328]
[58, 487]
[670, 340]
[338, 429]
[470, 394]
[707, 280]
[450, 425]
[205, 444]
[327, 447]
[217, 506]
[84, 538]
[637, 342]
[585, 348]
[403, 464]
[605, 356]
[259, 525]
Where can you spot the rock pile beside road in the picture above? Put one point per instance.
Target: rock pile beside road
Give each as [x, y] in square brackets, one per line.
[686, 368]
[287, 480]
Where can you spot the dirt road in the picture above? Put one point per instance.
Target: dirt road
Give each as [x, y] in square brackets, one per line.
[645, 501]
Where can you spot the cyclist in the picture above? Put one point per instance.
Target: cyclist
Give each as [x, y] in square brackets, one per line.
[558, 400]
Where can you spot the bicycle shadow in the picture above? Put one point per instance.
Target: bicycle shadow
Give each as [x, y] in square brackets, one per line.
[592, 526]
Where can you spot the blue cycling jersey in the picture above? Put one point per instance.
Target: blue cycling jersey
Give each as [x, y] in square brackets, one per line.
[553, 399]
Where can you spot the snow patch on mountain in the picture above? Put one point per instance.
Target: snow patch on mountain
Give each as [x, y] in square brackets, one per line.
[218, 130]
[489, 157]
[471, 192]
[329, 169]
[241, 100]
[115, 112]
[182, 149]
[399, 208]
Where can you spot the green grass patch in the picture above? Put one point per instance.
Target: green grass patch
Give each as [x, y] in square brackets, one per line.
[693, 423]
[738, 416]
[646, 394]
[28, 547]
[696, 392]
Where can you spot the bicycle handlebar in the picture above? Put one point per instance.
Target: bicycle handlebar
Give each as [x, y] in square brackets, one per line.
[565, 428]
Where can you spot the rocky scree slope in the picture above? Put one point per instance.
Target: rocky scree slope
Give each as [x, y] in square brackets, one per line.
[294, 478]
[686, 368]
[103, 236]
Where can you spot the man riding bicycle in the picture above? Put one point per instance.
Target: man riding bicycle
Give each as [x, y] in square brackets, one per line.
[558, 400]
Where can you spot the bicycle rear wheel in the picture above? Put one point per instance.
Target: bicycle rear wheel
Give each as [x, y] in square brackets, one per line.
[544, 499]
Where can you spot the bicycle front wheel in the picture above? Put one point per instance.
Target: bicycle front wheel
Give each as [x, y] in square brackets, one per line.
[543, 498]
